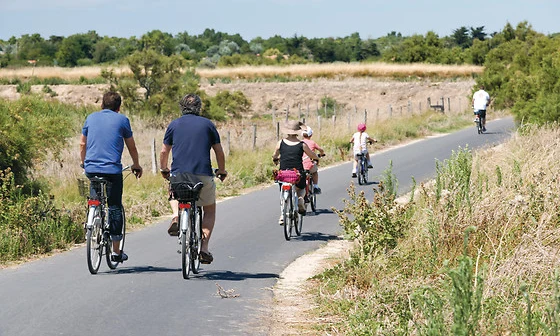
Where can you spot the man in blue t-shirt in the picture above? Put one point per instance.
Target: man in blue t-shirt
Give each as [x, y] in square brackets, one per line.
[190, 138]
[103, 138]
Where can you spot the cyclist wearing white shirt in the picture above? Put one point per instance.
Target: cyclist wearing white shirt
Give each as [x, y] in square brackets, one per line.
[360, 140]
[480, 101]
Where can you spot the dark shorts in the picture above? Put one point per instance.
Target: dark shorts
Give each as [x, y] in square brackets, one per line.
[481, 113]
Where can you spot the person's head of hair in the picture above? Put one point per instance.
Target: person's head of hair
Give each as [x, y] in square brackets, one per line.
[481, 86]
[307, 133]
[111, 101]
[361, 127]
[190, 104]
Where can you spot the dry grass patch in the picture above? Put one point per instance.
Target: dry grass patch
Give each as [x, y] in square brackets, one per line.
[344, 70]
[329, 70]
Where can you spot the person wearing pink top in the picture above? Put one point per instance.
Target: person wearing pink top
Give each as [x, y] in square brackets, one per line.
[309, 164]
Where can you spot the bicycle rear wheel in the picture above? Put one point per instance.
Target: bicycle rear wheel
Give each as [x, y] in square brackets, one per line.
[360, 171]
[196, 241]
[365, 171]
[287, 214]
[109, 246]
[93, 241]
[184, 237]
[312, 197]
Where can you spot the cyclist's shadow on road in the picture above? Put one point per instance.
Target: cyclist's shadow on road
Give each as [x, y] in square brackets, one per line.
[235, 276]
[143, 269]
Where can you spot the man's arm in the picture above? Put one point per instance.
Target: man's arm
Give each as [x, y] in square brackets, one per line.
[83, 144]
[221, 158]
[131, 145]
[163, 160]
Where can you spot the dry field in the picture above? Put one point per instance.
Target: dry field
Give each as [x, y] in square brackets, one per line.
[369, 87]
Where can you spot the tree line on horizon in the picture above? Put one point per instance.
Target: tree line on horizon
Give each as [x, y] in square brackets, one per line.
[466, 45]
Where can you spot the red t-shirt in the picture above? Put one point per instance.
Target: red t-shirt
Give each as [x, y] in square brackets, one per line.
[307, 162]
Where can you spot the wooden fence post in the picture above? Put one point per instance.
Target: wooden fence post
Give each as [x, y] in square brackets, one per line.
[154, 165]
[277, 131]
[228, 142]
[254, 136]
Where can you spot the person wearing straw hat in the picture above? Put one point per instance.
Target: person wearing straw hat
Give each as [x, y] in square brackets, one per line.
[289, 152]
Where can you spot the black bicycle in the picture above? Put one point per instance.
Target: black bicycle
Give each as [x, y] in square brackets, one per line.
[479, 122]
[98, 238]
[362, 168]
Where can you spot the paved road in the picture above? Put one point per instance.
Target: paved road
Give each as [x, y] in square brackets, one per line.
[147, 295]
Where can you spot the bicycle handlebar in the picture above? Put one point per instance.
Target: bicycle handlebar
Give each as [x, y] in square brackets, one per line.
[220, 176]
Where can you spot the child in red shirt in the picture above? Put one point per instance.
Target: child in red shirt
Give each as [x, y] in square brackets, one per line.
[308, 164]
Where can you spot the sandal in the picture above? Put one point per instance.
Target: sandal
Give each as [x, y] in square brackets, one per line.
[173, 229]
[206, 257]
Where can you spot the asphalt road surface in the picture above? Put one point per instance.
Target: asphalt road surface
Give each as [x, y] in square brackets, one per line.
[147, 294]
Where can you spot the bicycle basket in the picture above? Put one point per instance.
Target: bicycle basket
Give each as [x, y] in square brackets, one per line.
[185, 187]
[290, 176]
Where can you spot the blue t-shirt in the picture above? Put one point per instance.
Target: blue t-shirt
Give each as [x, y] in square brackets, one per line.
[191, 137]
[105, 131]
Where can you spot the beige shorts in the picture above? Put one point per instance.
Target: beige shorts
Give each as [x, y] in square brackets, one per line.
[313, 169]
[207, 194]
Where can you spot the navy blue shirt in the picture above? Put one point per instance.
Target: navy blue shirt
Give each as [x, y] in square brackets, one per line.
[191, 137]
[105, 131]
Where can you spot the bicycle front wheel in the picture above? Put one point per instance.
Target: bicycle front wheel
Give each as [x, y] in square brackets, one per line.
[287, 214]
[196, 240]
[109, 246]
[185, 234]
[93, 241]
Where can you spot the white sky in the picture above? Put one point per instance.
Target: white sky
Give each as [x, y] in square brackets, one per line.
[266, 18]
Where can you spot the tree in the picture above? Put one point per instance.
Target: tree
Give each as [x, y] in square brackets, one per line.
[159, 41]
[478, 33]
[158, 76]
[461, 37]
[75, 47]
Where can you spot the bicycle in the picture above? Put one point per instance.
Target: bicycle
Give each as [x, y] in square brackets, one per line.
[98, 238]
[362, 169]
[478, 121]
[186, 191]
[289, 205]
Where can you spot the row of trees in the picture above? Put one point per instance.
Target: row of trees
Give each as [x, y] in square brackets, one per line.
[211, 48]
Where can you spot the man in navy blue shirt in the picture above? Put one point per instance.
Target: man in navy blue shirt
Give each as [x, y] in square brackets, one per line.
[103, 138]
[190, 139]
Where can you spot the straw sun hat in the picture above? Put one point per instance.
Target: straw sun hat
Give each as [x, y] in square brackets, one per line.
[293, 127]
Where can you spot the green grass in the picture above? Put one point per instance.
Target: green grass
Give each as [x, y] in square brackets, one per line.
[471, 258]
